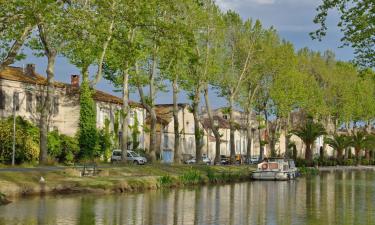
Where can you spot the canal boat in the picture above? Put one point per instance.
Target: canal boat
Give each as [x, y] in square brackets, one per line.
[275, 169]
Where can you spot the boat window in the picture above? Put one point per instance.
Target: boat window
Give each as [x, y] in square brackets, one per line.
[273, 166]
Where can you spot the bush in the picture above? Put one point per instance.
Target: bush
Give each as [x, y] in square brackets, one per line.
[165, 181]
[349, 162]
[62, 148]
[191, 177]
[301, 162]
[27, 141]
[308, 171]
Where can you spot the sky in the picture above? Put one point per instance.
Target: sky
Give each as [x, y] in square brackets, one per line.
[291, 18]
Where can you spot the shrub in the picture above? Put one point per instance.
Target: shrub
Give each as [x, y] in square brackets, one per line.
[308, 171]
[191, 177]
[301, 162]
[27, 141]
[54, 144]
[87, 134]
[62, 148]
[165, 181]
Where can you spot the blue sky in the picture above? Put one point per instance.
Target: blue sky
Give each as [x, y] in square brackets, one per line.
[292, 19]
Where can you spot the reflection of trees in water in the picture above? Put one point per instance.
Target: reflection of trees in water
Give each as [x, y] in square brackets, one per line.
[329, 199]
[87, 212]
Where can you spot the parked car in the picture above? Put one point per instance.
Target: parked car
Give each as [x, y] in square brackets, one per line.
[205, 159]
[253, 160]
[224, 160]
[131, 157]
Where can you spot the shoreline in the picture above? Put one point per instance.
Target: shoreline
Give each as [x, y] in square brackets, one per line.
[345, 168]
[124, 179]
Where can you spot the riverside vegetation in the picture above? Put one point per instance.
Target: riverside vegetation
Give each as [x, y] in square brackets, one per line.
[119, 179]
[194, 45]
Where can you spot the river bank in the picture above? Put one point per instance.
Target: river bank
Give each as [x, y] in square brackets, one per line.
[119, 179]
[346, 168]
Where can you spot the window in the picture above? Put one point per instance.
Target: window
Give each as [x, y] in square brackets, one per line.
[16, 101]
[29, 102]
[225, 117]
[55, 105]
[2, 99]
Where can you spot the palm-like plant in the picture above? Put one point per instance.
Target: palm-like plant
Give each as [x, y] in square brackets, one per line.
[338, 143]
[359, 140]
[308, 134]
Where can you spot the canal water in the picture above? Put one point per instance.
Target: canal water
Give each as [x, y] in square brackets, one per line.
[331, 198]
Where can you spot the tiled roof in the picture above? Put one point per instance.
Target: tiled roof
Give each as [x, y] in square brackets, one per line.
[18, 74]
[223, 123]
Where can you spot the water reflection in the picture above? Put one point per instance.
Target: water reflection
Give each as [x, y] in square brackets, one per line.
[332, 198]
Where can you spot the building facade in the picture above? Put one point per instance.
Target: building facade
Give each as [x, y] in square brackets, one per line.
[22, 91]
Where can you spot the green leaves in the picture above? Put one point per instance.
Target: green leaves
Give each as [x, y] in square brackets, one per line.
[356, 22]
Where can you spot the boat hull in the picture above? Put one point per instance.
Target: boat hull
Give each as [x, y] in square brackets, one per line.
[273, 175]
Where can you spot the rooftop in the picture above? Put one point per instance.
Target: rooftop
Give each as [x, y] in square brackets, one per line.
[28, 75]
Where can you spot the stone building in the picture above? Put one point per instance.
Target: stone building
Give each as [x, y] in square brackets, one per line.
[24, 90]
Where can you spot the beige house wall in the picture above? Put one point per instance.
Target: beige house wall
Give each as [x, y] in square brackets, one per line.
[67, 118]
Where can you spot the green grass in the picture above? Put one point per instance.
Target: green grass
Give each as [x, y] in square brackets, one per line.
[120, 178]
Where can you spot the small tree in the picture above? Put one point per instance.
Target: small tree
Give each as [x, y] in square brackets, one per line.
[308, 133]
[338, 143]
[88, 135]
[361, 141]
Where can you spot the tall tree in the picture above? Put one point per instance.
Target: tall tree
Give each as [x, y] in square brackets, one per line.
[241, 43]
[16, 26]
[86, 45]
[357, 24]
[122, 56]
[175, 54]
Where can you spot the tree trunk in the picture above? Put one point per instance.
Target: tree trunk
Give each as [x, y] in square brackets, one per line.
[46, 108]
[197, 130]
[177, 153]
[232, 131]
[249, 135]
[214, 129]
[261, 146]
[287, 153]
[357, 152]
[154, 153]
[125, 115]
[339, 154]
[367, 154]
[308, 154]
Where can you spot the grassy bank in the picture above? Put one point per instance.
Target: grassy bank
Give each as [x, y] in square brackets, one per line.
[118, 179]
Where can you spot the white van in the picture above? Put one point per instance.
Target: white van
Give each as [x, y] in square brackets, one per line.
[131, 156]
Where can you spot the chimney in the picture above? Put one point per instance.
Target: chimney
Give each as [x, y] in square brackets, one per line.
[30, 69]
[74, 80]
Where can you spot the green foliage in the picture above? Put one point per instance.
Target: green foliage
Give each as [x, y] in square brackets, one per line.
[62, 148]
[27, 140]
[338, 143]
[191, 177]
[54, 144]
[135, 131]
[356, 22]
[166, 181]
[308, 171]
[105, 141]
[308, 133]
[87, 134]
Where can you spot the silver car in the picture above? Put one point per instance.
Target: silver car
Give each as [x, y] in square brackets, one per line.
[205, 160]
[131, 157]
